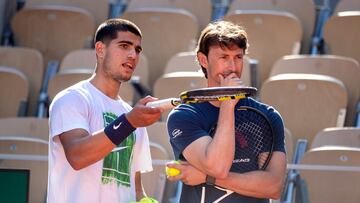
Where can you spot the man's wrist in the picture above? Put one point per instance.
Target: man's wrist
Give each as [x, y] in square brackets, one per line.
[130, 119]
[118, 130]
[210, 180]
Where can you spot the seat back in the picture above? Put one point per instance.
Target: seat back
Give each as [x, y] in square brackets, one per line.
[30, 127]
[262, 23]
[30, 63]
[53, 30]
[348, 5]
[161, 25]
[24, 145]
[201, 9]
[342, 136]
[14, 91]
[81, 58]
[99, 9]
[308, 103]
[182, 62]
[303, 10]
[343, 24]
[323, 184]
[345, 69]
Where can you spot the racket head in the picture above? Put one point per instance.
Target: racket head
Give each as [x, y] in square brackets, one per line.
[216, 94]
[254, 138]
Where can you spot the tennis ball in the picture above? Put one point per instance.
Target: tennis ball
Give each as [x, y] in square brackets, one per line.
[148, 200]
[172, 171]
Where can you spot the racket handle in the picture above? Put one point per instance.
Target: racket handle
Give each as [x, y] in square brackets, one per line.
[164, 103]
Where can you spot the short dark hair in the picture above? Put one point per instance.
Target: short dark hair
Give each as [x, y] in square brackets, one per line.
[223, 34]
[108, 30]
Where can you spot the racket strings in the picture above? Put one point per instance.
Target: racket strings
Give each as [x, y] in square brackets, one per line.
[256, 132]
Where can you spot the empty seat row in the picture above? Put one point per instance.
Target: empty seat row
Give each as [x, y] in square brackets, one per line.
[347, 70]
[53, 30]
[98, 9]
[307, 103]
[24, 147]
[162, 34]
[331, 160]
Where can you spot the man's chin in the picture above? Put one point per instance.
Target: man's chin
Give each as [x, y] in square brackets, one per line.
[121, 80]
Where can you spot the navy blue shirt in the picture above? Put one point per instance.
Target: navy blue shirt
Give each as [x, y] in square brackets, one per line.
[187, 123]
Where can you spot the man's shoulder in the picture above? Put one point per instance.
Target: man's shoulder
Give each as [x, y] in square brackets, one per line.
[192, 110]
[268, 110]
[263, 107]
[72, 94]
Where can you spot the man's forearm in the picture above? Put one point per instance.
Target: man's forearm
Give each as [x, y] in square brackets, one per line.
[261, 184]
[258, 184]
[220, 151]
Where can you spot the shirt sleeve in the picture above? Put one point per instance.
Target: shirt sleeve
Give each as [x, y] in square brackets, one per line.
[142, 158]
[278, 127]
[184, 127]
[68, 111]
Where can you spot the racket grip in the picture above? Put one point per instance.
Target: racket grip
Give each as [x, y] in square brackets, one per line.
[164, 103]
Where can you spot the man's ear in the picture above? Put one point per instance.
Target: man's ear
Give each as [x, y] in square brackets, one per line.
[202, 59]
[100, 49]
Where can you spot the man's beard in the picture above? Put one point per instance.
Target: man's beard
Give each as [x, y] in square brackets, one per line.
[119, 78]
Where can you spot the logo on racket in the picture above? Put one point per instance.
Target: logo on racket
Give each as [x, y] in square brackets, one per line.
[117, 126]
[245, 160]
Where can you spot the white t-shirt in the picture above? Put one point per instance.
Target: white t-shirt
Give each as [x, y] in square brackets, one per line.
[108, 180]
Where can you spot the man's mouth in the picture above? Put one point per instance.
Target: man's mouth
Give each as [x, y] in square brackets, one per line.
[129, 66]
[226, 74]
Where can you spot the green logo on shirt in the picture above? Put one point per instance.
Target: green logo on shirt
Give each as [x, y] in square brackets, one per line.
[117, 165]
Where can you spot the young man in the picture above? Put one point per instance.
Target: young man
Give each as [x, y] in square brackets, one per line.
[210, 172]
[97, 144]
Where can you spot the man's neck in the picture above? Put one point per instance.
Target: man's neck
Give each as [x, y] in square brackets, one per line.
[107, 86]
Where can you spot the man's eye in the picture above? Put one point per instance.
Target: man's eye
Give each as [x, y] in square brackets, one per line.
[125, 46]
[138, 51]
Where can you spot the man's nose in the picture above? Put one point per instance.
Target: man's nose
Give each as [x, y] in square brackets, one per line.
[132, 53]
[231, 65]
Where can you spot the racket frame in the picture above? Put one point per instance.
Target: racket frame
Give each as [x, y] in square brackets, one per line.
[205, 94]
[263, 167]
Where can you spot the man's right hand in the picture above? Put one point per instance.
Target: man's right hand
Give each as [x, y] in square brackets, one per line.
[230, 80]
[141, 115]
[189, 175]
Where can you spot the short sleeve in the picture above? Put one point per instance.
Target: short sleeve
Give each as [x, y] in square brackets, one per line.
[278, 127]
[142, 157]
[69, 110]
[184, 127]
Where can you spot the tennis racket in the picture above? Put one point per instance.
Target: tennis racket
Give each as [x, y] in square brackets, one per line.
[205, 94]
[254, 143]
[255, 136]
